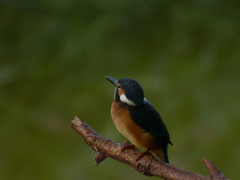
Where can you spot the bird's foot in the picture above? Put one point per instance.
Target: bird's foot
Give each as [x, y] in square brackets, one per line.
[127, 145]
[143, 154]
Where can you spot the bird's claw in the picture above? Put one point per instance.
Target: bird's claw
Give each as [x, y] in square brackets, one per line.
[143, 154]
[128, 146]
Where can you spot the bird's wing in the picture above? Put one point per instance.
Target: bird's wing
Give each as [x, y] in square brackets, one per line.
[149, 119]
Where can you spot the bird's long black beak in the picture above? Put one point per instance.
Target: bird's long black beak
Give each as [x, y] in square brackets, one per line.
[112, 80]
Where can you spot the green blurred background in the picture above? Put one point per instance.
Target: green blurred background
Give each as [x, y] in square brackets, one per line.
[54, 56]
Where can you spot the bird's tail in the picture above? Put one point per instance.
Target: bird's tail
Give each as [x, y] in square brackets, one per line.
[161, 153]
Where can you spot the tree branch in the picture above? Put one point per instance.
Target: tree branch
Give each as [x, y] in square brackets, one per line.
[147, 165]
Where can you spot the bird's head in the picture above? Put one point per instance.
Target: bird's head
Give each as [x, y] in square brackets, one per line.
[127, 91]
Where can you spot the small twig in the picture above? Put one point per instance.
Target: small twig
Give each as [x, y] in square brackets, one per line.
[98, 158]
[148, 165]
[215, 173]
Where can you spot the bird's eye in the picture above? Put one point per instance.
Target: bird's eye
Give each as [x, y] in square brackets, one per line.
[119, 86]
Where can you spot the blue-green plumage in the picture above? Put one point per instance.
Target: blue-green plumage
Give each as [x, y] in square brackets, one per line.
[149, 119]
[137, 119]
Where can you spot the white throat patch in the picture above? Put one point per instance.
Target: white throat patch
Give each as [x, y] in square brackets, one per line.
[124, 99]
[145, 100]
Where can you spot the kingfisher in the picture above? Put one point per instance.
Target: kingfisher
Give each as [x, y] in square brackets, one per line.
[137, 119]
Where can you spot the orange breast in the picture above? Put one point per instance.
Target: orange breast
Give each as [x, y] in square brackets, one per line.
[128, 128]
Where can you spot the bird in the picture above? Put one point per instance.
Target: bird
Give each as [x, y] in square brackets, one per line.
[137, 119]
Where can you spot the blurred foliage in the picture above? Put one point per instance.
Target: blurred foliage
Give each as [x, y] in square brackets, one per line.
[54, 56]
